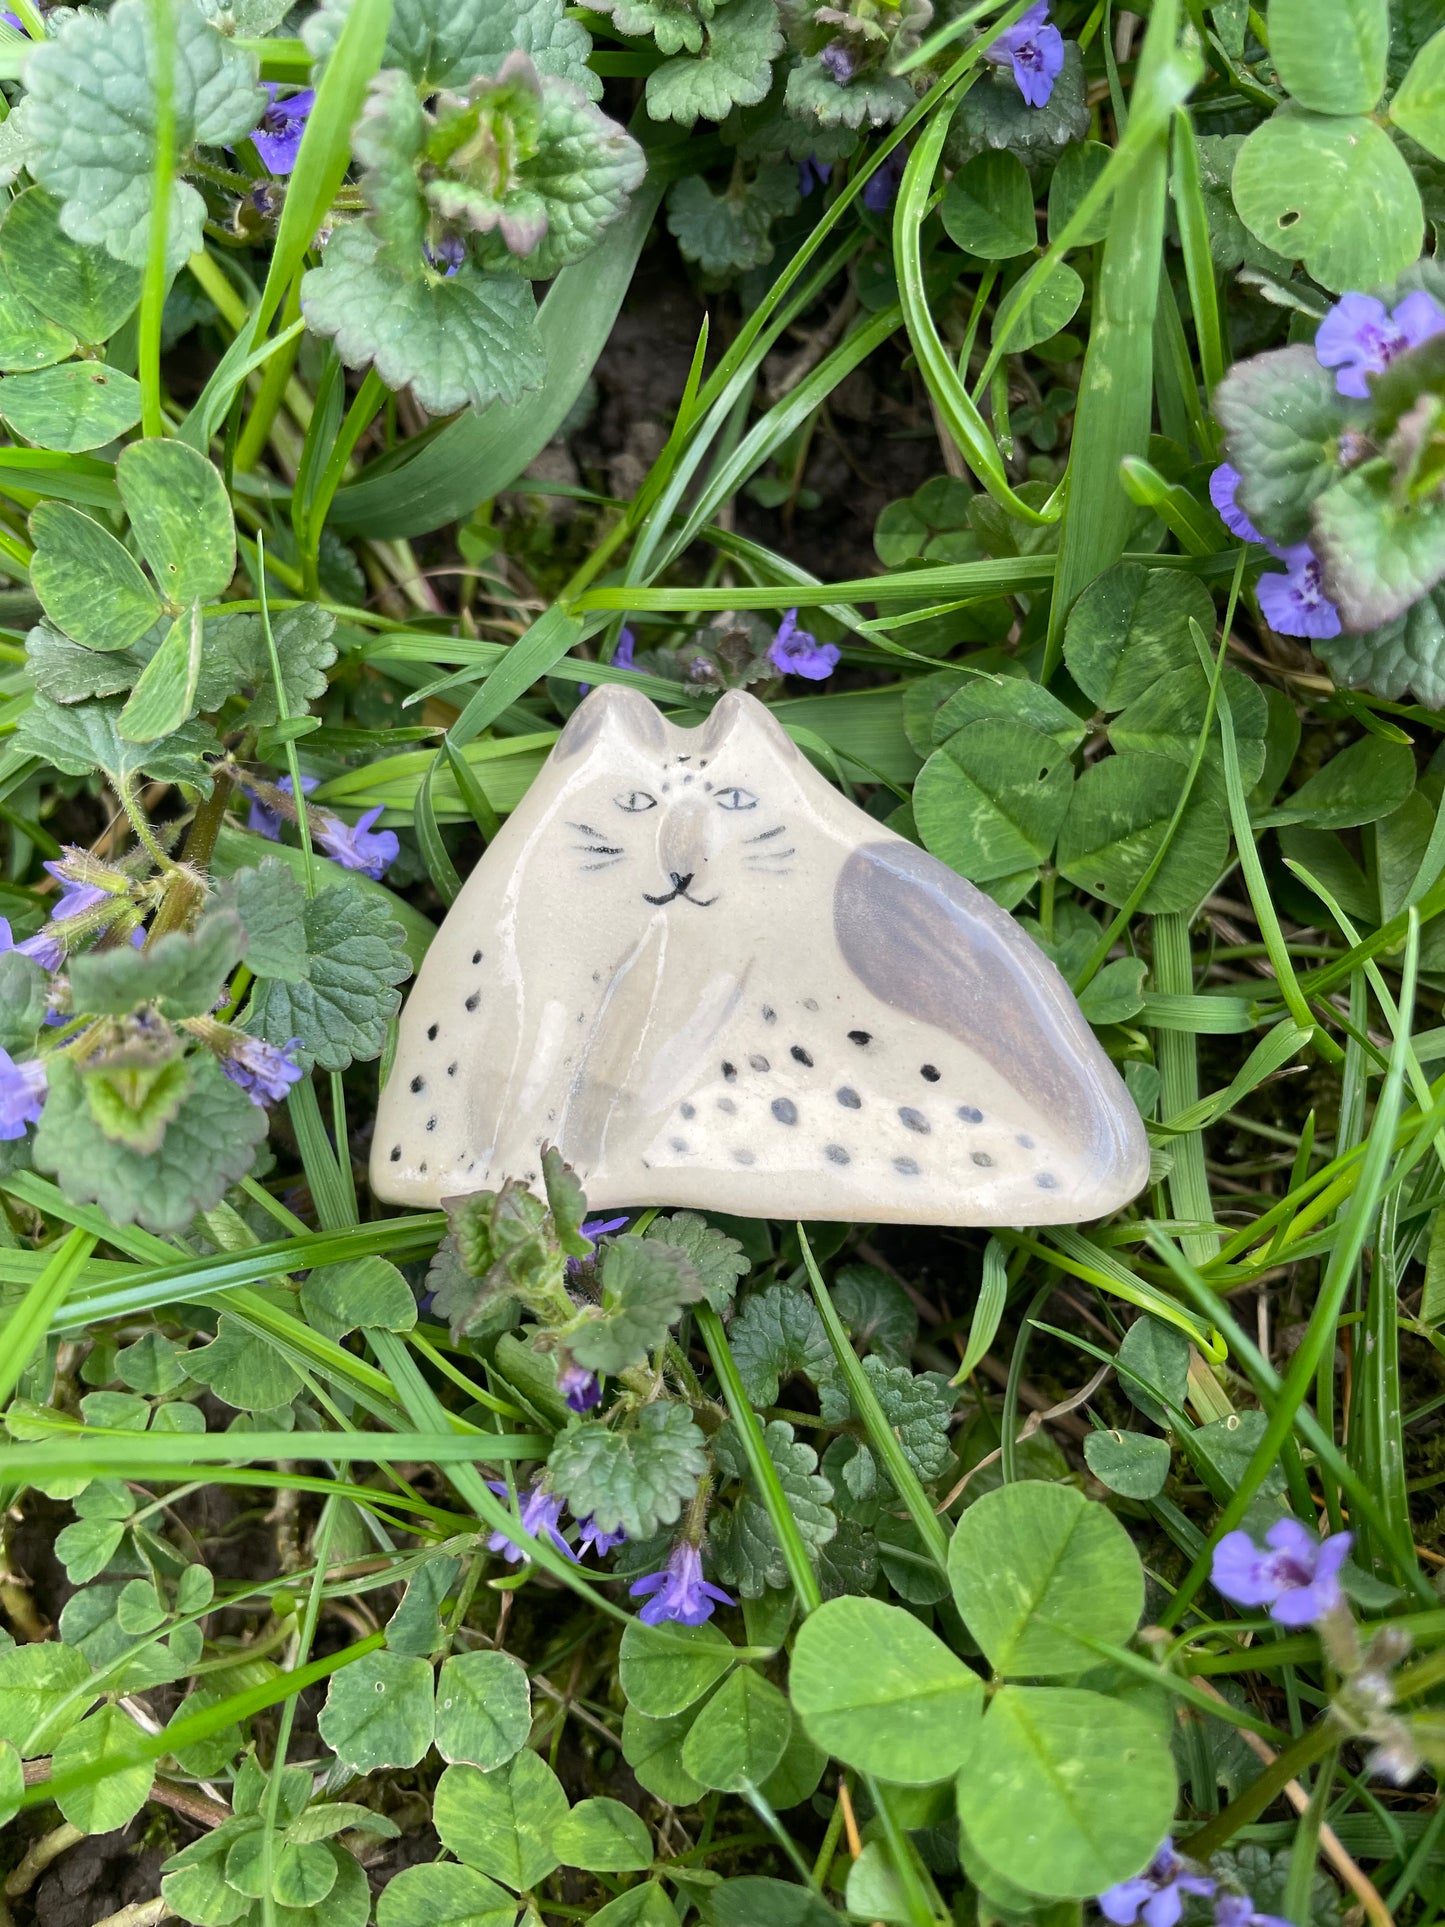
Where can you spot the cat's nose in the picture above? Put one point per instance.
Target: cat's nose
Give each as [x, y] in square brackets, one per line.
[679, 883]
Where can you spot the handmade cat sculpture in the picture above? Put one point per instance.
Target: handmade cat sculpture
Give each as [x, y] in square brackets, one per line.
[711, 980]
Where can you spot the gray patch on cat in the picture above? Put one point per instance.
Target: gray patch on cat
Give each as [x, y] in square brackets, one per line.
[926, 942]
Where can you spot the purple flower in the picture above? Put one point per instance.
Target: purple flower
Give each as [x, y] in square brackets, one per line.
[579, 1387]
[591, 1538]
[839, 61]
[277, 136]
[263, 820]
[1155, 1896]
[12, 19]
[679, 1591]
[813, 173]
[1035, 51]
[1238, 1910]
[445, 255]
[596, 1228]
[22, 1093]
[1297, 1578]
[882, 184]
[1222, 486]
[797, 653]
[265, 1072]
[622, 654]
[1360, 337]
[74, 896]
[42, 948]
[1295, 604]
[540, 1513]
[356, 846]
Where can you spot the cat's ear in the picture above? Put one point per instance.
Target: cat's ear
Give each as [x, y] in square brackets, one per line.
[613, 711]
[752, 721]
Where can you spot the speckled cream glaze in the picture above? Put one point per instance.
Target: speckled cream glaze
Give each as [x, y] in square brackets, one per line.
[711, 980]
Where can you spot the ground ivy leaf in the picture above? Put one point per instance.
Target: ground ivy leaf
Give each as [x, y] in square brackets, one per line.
[208, 1145]
[446, 43]
[89, 121]
[271, 905]
[1398, 657]
[917, 1408]
[1379, 558]
[181, 972]
[872, 96]
[636, 1478]
[743, 39]
[675, 28]
[645, 1284]
[236, 658]
[877, 1311]
[719, 1261]
[1282, 420]
[89, 585]
[468, 340]
[584, 170]
[81, 738]
[355, 958]
[744, 1544]
[777, 1334]
[729, 230]
[77, 406]
[388, 141]
[23, 987]
[993, 113]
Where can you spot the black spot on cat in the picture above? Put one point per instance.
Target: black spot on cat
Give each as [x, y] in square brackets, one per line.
[770, 1016]
[906, 1167]
[969, 1114]
[785, 1110]
[913, 1120]
[1046, 1181]
[688, 1110]
[474, 1000]
[476, 956]
[929, 1072]
[860, 1037]
[679, 1145]
[431, 1033]
[835, 1154]
[396, 1154]
[1026, 1142]
[759, 1063]
[421, 1168]
[810, 1003]
[451, 1070]
[743, 1157]
[730, 1072]
[800, 1056]
[981, 1157]
[726, 1104]
[850, 1099]
[418, 1084]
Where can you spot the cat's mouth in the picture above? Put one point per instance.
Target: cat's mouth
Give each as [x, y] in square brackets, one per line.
[679, 889]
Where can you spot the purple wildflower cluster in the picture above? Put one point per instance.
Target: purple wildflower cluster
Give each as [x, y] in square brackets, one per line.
[796, 652]
[1358, 338]
[679, 1592]
[1034, 48]
[1156, 1897]
[355, 846]
[541, 1516]
[1296, 1575]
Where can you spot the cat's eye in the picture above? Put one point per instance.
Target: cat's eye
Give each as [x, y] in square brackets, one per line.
[736, 799]
[635, 800]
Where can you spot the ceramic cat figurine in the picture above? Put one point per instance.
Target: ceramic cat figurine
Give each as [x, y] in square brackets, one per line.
[710, 980]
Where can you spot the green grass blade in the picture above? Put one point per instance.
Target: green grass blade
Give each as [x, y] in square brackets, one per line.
[28, 1325]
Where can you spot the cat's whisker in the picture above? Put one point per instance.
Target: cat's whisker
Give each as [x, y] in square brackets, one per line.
[764, 835]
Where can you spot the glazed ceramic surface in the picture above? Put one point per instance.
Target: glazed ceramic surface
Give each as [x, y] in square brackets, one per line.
[709, 979]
